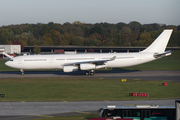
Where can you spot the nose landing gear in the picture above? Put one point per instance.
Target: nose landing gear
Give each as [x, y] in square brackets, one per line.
[90, 72]
[22, 72]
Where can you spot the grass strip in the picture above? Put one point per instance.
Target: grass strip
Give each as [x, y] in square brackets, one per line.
[61, 89]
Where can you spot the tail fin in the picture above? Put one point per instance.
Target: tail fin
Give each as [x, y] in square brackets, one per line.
[159, 45]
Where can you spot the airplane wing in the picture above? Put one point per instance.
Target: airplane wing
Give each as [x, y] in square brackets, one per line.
[160, 55]
[96, 62]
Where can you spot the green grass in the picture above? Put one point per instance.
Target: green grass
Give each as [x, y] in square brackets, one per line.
[74, 117]
[161, 64]
[59, 89]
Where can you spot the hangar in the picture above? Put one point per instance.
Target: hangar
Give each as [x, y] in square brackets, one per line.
[11, 49]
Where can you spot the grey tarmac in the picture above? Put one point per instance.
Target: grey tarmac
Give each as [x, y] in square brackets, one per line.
[133, 75]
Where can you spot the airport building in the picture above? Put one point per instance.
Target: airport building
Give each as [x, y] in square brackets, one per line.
[11, 49]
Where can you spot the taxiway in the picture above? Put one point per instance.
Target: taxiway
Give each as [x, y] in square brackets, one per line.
[132, 75]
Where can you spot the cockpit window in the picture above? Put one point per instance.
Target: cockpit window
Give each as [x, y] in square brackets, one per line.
[11, 60]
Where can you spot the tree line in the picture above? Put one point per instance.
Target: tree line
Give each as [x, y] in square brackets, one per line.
[83, 34]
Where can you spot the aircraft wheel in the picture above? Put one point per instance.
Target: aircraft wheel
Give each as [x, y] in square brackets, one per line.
[91, 73]
[22, 72]
[87, 73]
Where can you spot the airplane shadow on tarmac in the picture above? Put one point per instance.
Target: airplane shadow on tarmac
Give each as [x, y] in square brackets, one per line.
[109, 74]
[76, 73]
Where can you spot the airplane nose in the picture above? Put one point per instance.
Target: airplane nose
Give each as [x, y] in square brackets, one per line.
[7, 63]
[11, 64]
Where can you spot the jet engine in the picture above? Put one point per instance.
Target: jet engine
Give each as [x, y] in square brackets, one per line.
[87, 66]
[70, 68]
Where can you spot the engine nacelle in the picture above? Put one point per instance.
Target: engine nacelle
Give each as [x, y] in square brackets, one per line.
[70, 68]
[87, 66]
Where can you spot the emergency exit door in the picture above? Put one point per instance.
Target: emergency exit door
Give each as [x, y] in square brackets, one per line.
[50, 60]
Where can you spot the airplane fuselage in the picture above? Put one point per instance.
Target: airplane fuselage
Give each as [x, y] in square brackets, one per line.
[57, 61]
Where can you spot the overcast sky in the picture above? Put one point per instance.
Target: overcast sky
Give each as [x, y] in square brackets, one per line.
[89, 11]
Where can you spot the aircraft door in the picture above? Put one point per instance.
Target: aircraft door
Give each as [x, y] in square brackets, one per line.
[19, 61]
[61, 62]
[140, 57]
[51, 60]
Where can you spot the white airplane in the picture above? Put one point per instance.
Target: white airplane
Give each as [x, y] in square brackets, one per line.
[90, 62]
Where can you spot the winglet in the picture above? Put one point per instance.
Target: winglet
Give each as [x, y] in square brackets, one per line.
[113, 58]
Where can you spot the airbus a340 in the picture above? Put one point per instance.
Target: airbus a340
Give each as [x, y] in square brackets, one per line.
[90, 62]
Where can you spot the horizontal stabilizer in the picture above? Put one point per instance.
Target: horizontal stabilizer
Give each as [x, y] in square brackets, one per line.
[166, 53]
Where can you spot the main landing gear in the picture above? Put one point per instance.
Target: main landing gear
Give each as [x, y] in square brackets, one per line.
[22, 72]
[90, 72]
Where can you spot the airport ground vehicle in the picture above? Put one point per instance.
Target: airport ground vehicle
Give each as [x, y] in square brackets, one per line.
[140, 112]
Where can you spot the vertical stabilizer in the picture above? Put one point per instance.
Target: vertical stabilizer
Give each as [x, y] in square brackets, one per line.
[159, 45]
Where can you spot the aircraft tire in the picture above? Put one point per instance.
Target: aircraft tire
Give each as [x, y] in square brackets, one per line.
[87, 73]
[91, 73]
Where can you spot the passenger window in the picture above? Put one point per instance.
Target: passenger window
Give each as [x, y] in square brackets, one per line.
[11, 60]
